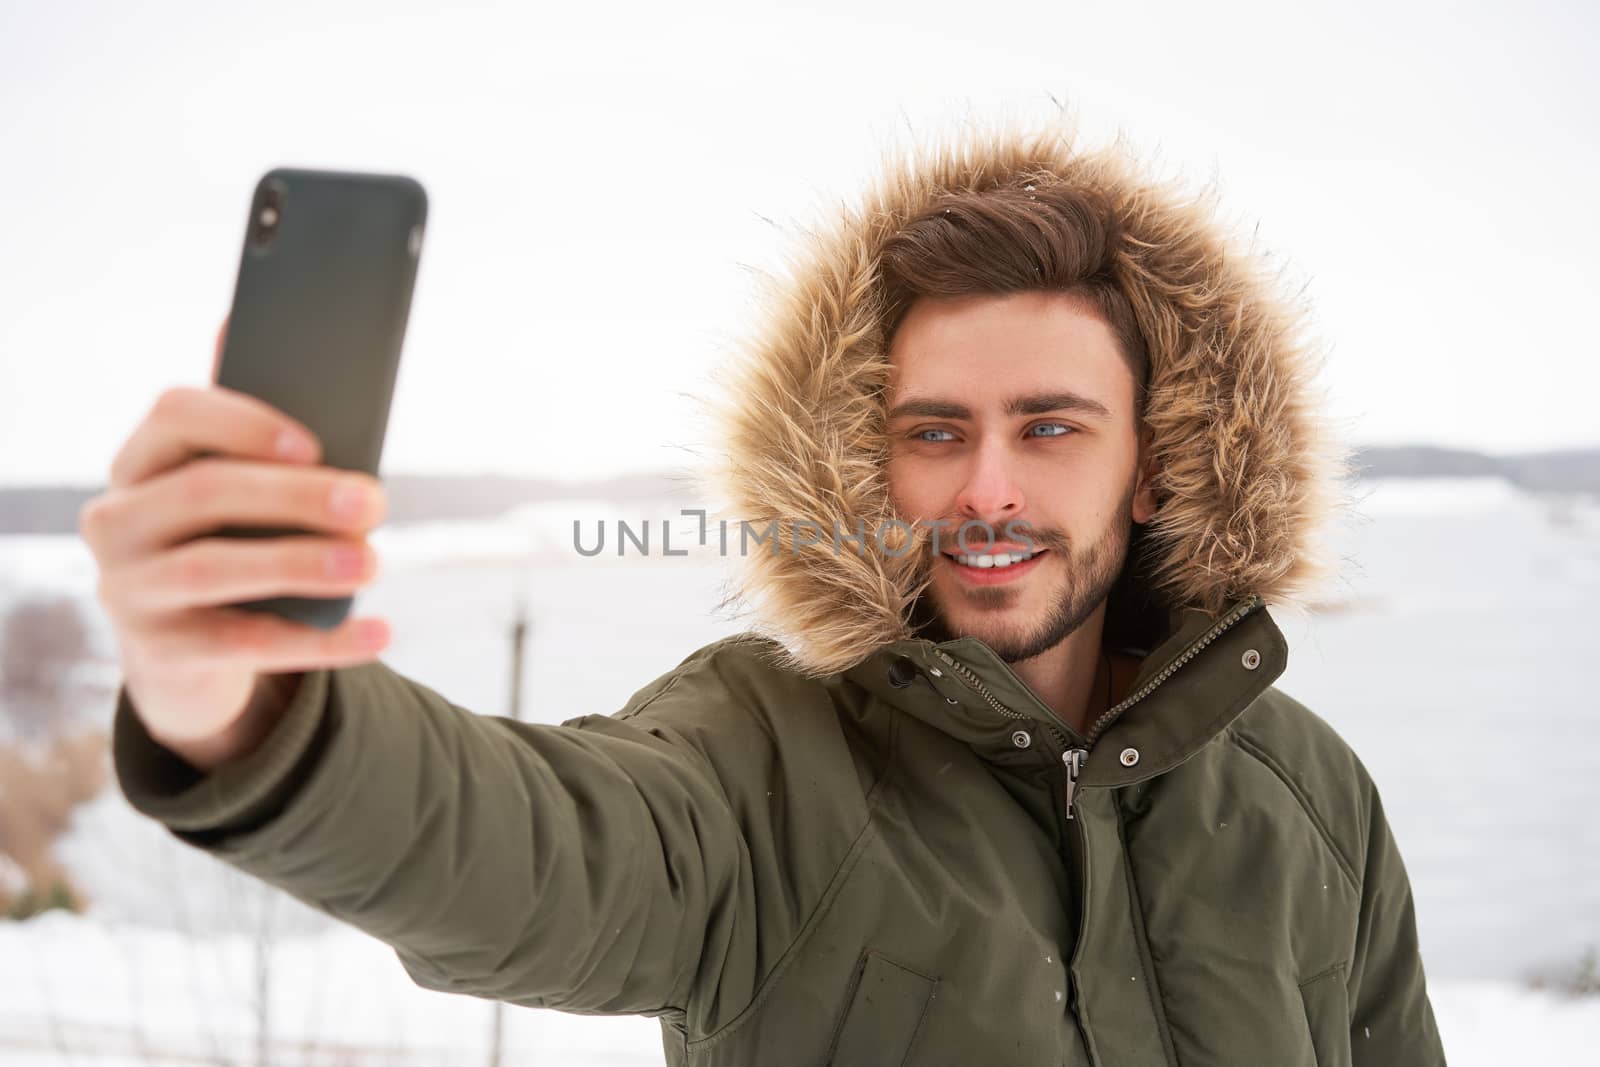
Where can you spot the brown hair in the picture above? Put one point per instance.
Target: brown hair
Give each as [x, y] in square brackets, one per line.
[1016, 238]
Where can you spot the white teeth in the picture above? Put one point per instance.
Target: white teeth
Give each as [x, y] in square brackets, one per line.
[1001, 559]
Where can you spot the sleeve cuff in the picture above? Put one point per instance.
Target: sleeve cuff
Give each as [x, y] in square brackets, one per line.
[239, 795]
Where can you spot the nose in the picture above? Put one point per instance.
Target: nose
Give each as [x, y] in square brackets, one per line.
[991, 493]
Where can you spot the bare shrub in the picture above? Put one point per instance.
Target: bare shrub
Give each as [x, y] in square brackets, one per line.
[51, 762]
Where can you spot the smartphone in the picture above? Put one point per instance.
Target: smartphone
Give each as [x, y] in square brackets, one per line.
[318, 318]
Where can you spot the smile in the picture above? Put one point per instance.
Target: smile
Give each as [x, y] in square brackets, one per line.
[1002, 559]
[990, 568]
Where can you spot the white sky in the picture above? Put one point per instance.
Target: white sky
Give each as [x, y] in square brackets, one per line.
[598, 178]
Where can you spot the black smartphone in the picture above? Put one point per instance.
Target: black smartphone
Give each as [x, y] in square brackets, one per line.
[319, 315]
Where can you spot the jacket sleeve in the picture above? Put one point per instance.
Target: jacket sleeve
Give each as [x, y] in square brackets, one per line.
[1391, 1020]
[585, 866]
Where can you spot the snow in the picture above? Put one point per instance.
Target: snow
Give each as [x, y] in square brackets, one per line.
[101, 994]
[75, 989]
[51, 562]
[533, 533]
[1456, 668]
[1485, 1022]
[1439, 496]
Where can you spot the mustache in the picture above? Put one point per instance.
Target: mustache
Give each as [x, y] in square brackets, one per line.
[978, 535]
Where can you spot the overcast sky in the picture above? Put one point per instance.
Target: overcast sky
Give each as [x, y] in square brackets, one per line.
[599, 180]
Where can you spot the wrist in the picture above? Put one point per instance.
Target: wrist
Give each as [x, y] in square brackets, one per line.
[245, 733]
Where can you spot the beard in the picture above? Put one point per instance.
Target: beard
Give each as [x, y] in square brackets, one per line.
[1089, 575]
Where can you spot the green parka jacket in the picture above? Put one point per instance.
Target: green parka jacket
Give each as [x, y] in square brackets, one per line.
[833, 841]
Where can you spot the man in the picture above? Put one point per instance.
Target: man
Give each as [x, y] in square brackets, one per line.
[999, 775]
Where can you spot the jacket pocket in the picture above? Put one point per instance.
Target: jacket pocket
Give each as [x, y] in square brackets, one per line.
[885, 1007]
[1327, 1004]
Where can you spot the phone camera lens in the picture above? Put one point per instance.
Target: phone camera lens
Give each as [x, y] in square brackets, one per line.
[268, 213]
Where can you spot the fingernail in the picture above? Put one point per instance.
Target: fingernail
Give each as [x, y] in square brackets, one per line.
[294, 445]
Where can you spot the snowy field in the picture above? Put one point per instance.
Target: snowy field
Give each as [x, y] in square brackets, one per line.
[77, 991]
[1455, 668]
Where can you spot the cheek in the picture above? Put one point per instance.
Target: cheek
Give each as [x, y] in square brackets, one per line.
[914, 488]
[1083, 493]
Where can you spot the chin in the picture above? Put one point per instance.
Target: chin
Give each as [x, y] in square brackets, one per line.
[996, 628]
[999, 625]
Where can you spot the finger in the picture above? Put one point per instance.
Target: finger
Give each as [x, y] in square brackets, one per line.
[206, 495]
[267, 642]
[185, 421]
[219, 571]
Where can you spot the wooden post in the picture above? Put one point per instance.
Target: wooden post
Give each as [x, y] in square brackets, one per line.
[519, 633]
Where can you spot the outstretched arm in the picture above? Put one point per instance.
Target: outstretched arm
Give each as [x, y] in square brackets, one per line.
[586, 866]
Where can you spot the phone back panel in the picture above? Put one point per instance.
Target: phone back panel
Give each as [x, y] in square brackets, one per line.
[318, 318]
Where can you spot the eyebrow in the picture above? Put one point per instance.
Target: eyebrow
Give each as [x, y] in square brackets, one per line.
[1030, 404]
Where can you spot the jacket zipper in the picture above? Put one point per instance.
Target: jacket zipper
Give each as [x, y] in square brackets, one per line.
[1221, 626]
[982, 690]
[1081, 862]
[1072, 756]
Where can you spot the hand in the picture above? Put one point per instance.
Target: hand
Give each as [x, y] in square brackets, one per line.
[208, 681]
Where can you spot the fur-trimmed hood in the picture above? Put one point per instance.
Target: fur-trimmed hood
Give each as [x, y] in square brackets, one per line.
[1249, 470]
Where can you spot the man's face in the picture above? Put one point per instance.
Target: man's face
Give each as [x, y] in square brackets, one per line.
[1016, 409]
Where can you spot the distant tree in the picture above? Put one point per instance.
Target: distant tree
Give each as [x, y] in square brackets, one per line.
[1577, 980]
[53, 762]
[43, 642]
[39, 788]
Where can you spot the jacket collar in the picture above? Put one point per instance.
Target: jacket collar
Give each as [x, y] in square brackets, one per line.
[1205, 671]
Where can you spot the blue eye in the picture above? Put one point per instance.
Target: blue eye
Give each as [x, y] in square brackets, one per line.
[921, 435]
[1065, 429]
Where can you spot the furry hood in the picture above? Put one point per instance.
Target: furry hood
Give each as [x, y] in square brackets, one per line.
[1249, 472]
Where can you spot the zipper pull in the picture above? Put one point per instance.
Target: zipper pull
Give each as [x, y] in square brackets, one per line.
[1073, 758]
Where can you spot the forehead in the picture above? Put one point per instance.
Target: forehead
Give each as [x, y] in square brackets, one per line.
[987, 344]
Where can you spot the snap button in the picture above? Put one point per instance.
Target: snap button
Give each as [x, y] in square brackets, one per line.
[936, 672]
[1251, 659]
[951, 700]
[1021, 739]
[902, 673]
[1129, 757]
